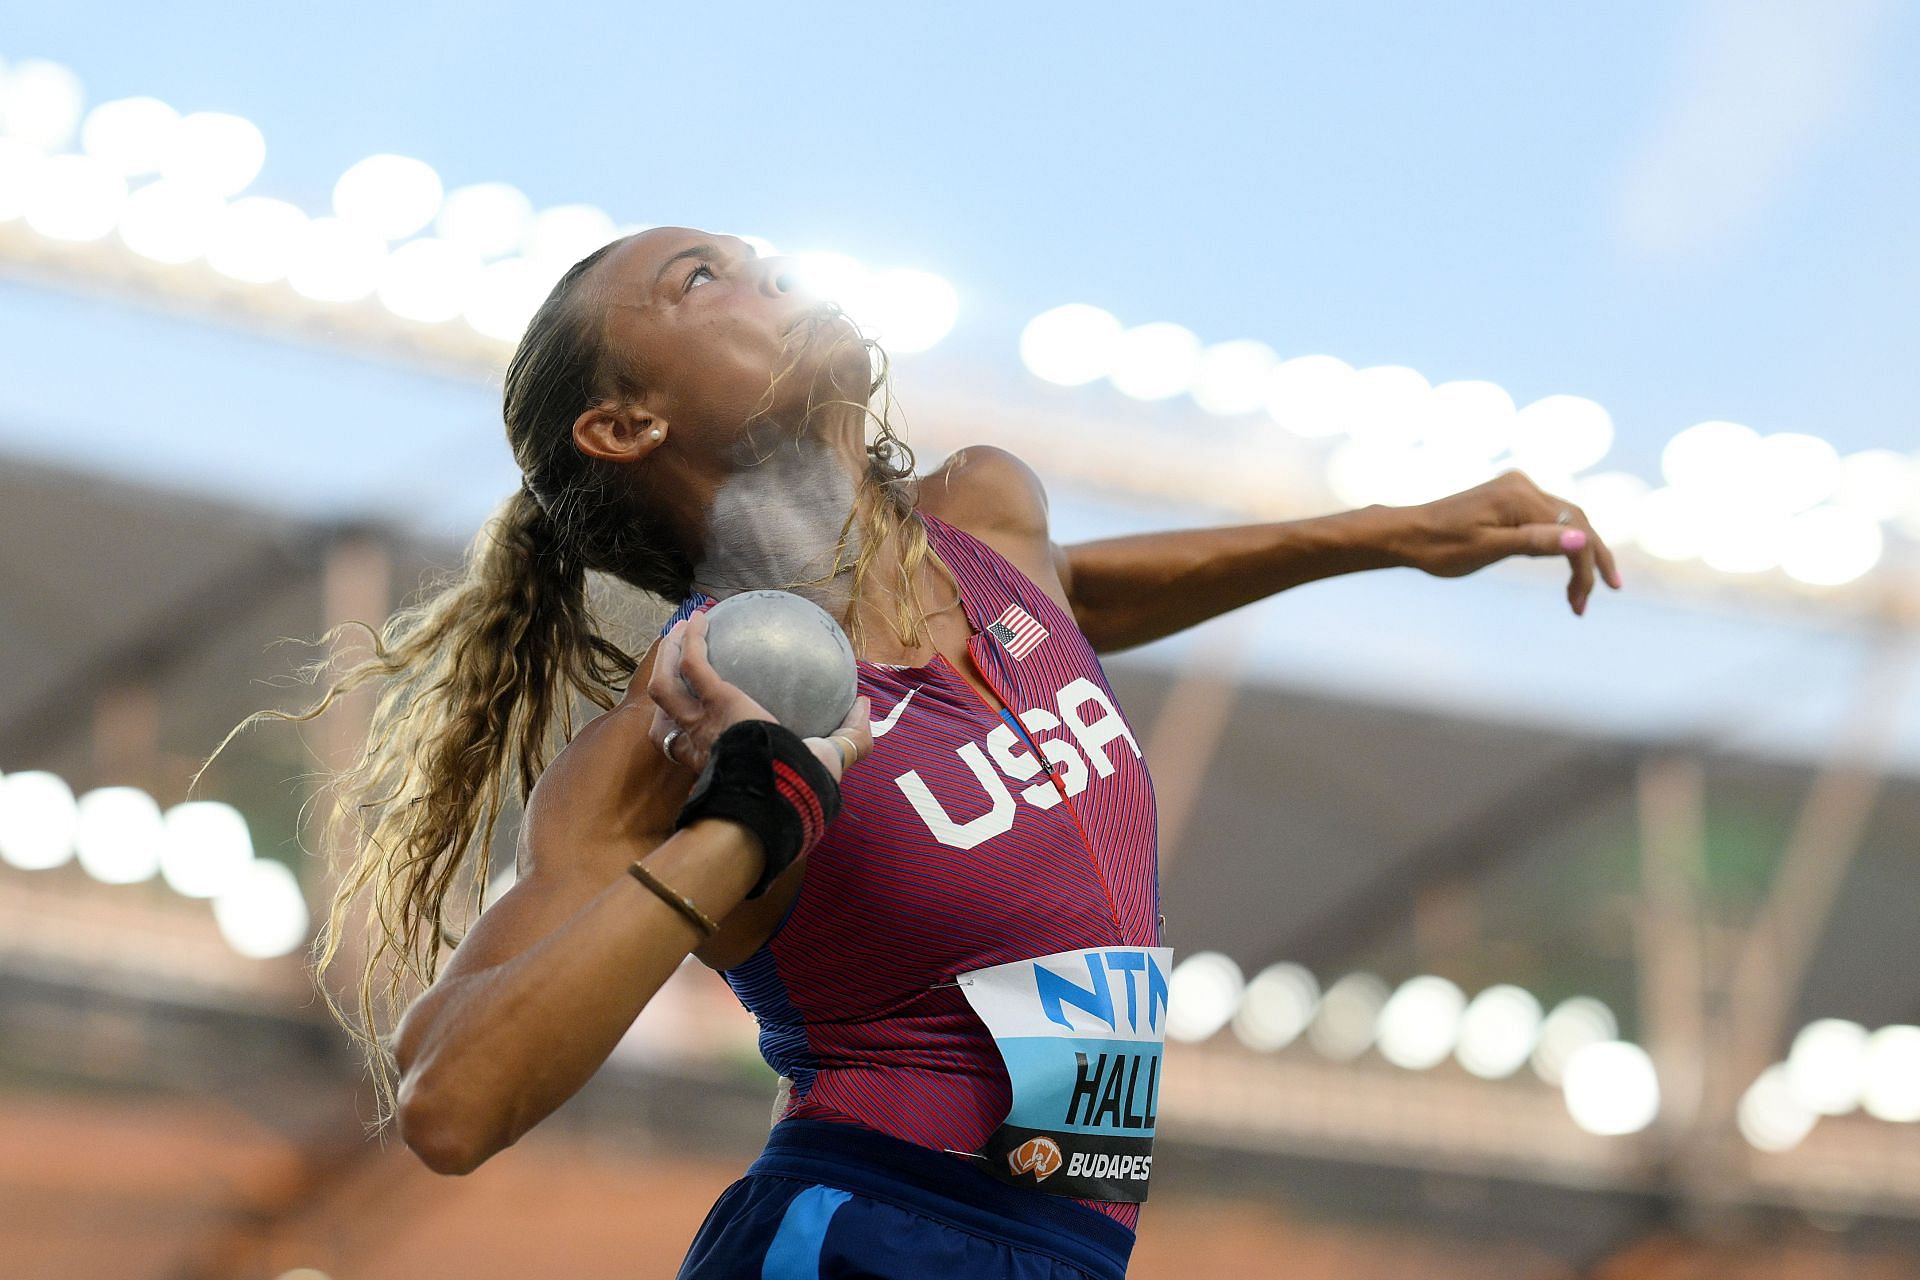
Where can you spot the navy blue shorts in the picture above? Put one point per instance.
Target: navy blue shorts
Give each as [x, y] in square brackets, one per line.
[829, 1201]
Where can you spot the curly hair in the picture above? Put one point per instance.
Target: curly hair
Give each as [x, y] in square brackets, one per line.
[478, 679]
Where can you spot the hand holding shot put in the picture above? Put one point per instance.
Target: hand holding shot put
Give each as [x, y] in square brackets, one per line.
[694, 705]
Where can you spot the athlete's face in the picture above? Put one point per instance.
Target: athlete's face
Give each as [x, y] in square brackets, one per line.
[702, 323]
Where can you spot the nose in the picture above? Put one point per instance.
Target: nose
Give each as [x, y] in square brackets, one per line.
[779, 276]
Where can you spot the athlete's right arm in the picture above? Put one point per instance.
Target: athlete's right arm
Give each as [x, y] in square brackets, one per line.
[551, 975]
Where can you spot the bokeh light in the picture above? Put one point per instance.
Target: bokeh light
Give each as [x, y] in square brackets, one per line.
[131, 135]
[1231, 377]
[1202, 993]
[261, 911]
[1498, 1031]
[1561, 435]
[204, 847]
[428, 280]
[1310, 396]
[1574, 1023]
[1349, 1017]
[169, 222]
[391, 197]
[1892, 1077]
[1420, 1023]
[1155, 361]
[214, 152]
[487, 219]
[1276, 1007]
[1827, 1066]
[1070, 345]
[76, 198]
[256, 240]
[38, 820]
[334, 260]
[1610, 1088]
[117, 834]
[1770, 1116]
[41, 103]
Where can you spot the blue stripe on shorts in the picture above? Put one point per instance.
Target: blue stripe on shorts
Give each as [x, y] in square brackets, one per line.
[827, 1201]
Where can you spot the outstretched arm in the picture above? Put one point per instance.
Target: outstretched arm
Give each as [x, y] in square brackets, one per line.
[1127, 591]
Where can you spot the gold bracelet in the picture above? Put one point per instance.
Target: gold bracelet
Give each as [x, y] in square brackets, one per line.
[678, 901]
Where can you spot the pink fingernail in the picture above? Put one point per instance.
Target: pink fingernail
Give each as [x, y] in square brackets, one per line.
[1573, 539]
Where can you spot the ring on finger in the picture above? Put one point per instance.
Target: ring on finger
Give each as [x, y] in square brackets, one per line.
[1565, 516]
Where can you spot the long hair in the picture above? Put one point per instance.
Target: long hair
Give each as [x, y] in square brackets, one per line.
[478, 680]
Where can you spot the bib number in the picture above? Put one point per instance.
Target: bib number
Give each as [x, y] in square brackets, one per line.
[1081, 1034]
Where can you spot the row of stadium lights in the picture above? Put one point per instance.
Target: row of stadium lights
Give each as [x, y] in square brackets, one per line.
[1609, 1085]
[203, 849]
[169, 185]
[1739, 502]
[119, 835]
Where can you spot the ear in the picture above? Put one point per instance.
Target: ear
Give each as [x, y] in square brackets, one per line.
[619, 432]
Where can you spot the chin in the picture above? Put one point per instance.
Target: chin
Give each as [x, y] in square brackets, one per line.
[826, 359]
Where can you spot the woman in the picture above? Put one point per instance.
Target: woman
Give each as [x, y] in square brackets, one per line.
[960, 984]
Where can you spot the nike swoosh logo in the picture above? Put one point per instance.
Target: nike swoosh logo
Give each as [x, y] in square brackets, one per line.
[881, 727]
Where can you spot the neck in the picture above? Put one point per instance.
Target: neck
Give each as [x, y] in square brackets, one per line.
[776, 523]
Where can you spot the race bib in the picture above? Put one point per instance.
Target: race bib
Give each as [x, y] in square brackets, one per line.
[1081, 1034]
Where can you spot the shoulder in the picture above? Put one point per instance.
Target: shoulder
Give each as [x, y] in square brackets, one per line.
[984, 489]
[999, 499]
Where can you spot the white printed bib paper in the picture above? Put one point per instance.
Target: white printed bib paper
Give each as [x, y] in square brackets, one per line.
[1081, 1034]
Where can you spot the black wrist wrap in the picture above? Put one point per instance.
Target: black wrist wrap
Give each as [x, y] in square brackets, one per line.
[762, 776]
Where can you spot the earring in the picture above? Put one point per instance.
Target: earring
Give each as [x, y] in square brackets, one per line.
[654, 434]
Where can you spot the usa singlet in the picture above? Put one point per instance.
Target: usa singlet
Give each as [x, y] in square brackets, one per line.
[970, 841]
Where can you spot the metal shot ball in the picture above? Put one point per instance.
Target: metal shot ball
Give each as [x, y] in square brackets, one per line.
[787, 654]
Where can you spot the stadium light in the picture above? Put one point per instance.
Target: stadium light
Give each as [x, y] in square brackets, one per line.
[1420, 1022]
[1498, 1031]
[1070, 345]
[1231, 378]
[261, 912]
[41, 103]
[201, 848]
[118, 833]
[133, 135]
[1277, 1006]
[255, 239]
[1154, 361]
[215, 152]
[1348, 1017]
[1202, 993]
[38, 819]
[170, 222]
[1771, 1118]
[204, 847]
[1610, 1088]
[1575, 1023]
[1892, 1077]
[1309, 395]
[487, 219]
[390, 196]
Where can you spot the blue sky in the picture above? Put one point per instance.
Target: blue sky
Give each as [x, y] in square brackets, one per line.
[1683, 211]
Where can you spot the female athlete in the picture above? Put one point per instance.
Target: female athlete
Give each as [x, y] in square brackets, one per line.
[960, 978]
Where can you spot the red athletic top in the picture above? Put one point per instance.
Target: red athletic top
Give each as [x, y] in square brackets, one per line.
[953, 851]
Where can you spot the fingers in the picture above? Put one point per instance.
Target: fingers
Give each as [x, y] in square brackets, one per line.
[664, 685]
[849, 744]
[682, 751]
[1608, 570]
[1581, 584]
[694, 667]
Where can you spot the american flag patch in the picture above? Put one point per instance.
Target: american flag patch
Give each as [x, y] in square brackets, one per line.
[1017, 631]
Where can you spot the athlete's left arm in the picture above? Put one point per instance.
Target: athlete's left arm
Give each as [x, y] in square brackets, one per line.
[1127, 591]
